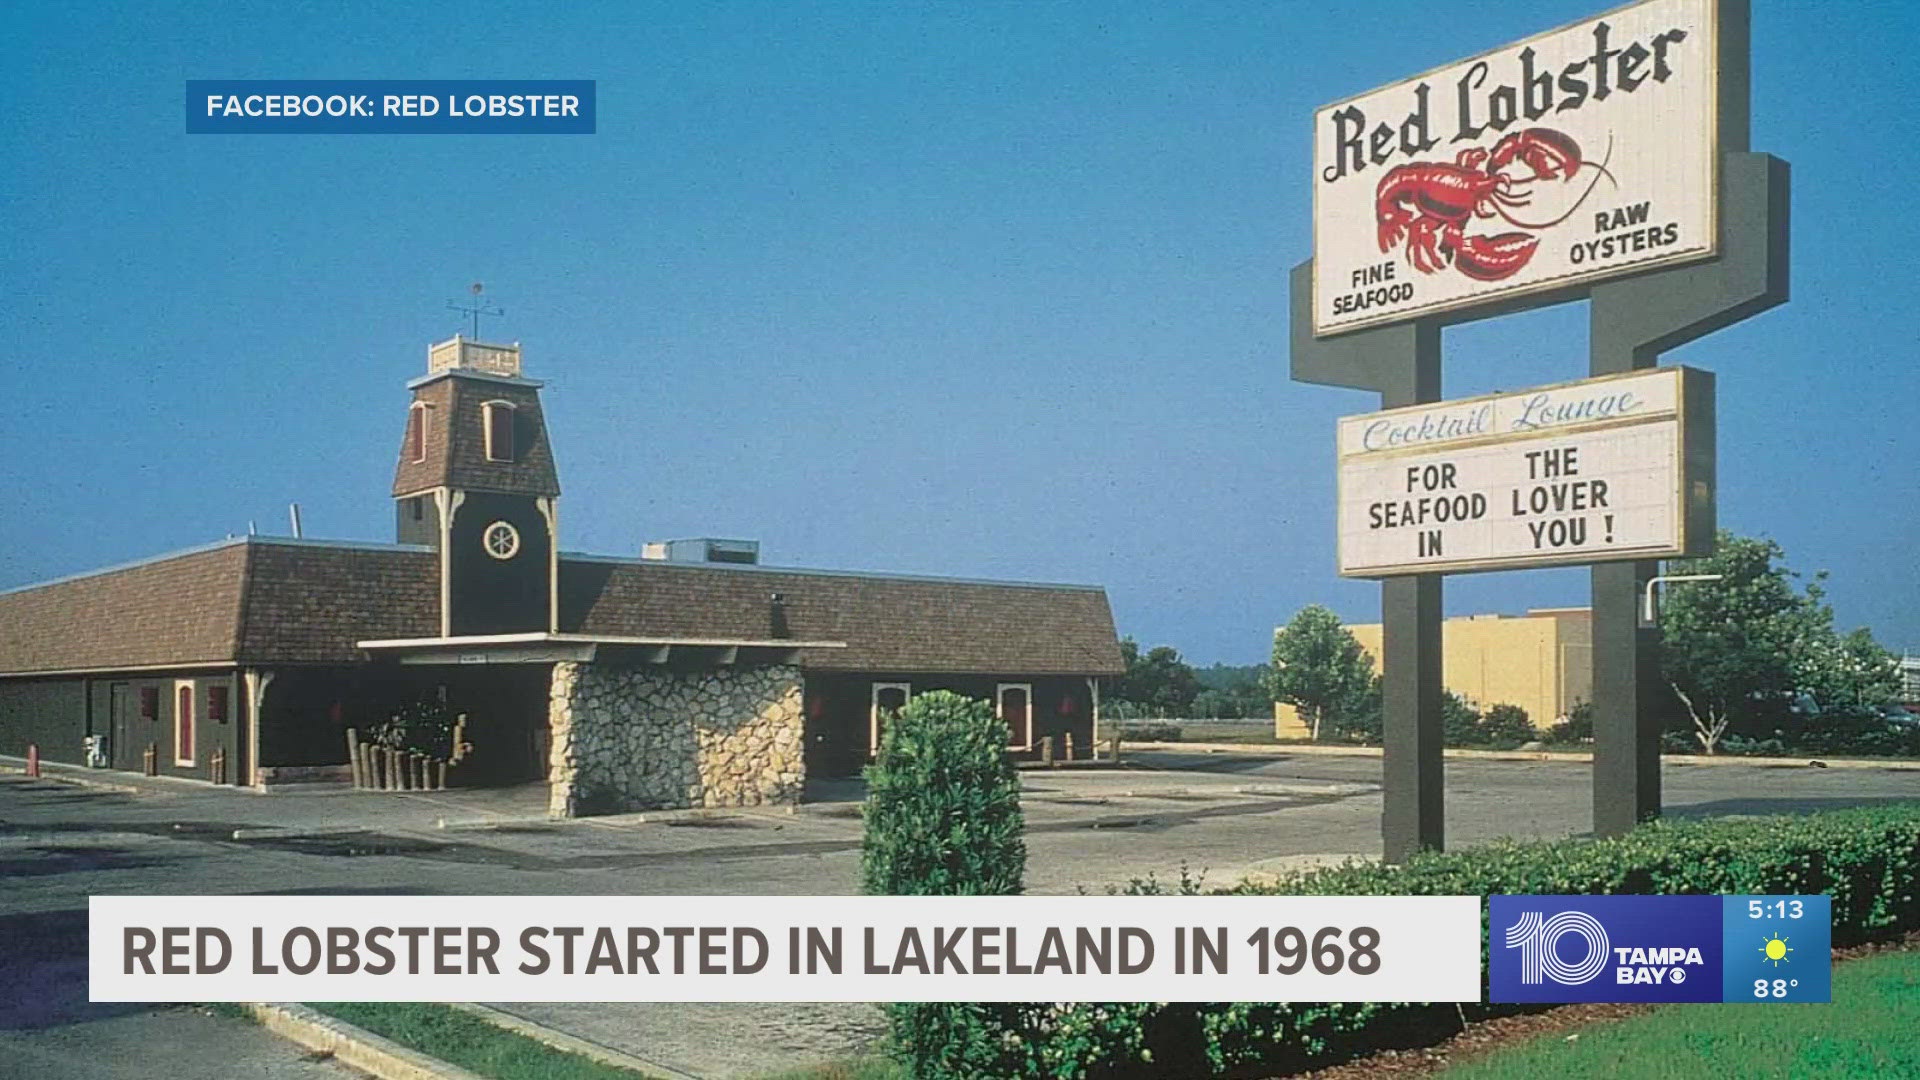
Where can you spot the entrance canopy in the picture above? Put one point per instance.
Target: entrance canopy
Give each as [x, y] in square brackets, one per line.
[546, 648]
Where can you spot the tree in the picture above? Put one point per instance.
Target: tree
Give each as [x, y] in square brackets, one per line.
[1748, 653]
[1233, 692]
[1320, 668]
[1846, 676]
[1362, 717]
[1727, 646]
[1160, 683]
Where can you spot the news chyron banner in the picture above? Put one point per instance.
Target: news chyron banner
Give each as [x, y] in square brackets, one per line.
[1660, 948]
[391, 106]
[784, 948]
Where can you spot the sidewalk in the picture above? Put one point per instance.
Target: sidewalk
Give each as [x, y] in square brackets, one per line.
[316, 809]
[1281, 750]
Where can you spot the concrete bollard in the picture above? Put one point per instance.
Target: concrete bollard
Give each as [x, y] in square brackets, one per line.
[1067, 738]
[1046, 751]
[33, 759]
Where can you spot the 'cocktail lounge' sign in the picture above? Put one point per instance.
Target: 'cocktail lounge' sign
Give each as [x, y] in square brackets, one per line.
[1619, 467]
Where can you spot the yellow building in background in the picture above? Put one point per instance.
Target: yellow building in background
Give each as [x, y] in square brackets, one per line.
[1541, 661]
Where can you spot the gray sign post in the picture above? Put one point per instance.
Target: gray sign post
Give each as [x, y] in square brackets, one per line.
[1633, 321]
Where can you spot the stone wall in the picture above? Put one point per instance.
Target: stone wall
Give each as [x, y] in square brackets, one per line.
[651, 737]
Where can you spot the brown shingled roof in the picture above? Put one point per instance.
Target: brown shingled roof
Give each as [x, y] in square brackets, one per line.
[890, 624]
[265, 600]
[181, 609]
[311, 603]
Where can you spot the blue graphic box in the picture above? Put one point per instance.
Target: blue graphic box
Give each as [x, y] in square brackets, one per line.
[1658, 948]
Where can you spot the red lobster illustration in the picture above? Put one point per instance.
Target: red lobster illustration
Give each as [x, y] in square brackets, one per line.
[1429, 202]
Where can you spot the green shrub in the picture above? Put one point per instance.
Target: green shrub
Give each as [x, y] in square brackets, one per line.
[1739, 747]
[943, 804]
[943, 819]
[1576, 728]
[1505, 727]
[423, 725]
[1867, 861]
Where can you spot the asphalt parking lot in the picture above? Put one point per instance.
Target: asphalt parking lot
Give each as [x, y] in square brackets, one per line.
[1221, 815]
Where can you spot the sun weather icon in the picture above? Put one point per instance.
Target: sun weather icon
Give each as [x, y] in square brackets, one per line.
[1776, 949]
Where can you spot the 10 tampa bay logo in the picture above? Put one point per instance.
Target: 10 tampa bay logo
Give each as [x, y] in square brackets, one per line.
[1605, 948]
[1538, 939]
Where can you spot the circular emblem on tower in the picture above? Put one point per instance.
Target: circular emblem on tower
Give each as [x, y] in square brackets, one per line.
[502, 540]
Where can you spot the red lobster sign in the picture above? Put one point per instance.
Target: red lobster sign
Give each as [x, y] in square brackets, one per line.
[1428, 203]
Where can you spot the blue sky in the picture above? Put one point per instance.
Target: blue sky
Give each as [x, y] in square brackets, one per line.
[991, 290]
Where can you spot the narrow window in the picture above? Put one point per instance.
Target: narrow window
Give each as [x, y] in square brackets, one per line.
[149, 703]
[1014, 705]
[888, 698]
[417, 432]
[217, 704]
[183, 723]
[419, 504]
[499, 425]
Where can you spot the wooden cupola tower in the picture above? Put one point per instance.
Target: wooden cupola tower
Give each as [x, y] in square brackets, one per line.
[476, 482]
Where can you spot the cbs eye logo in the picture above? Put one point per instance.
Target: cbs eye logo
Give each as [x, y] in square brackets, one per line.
[1538, 939]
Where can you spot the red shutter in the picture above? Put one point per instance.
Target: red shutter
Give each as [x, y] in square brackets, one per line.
[183, 727]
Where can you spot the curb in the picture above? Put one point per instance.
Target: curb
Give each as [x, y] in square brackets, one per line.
[770, 812]
[572, 1044]
[352, 1046]
[60, 774]
[482, 824]
[1308, 750]
[116, 779]
[300, 832]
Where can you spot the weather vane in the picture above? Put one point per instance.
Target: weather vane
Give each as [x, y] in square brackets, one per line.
[475, 308]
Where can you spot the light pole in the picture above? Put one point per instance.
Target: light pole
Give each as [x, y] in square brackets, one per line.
[1647, 616]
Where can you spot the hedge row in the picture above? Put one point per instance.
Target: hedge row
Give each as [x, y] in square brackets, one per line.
[1867, 860]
